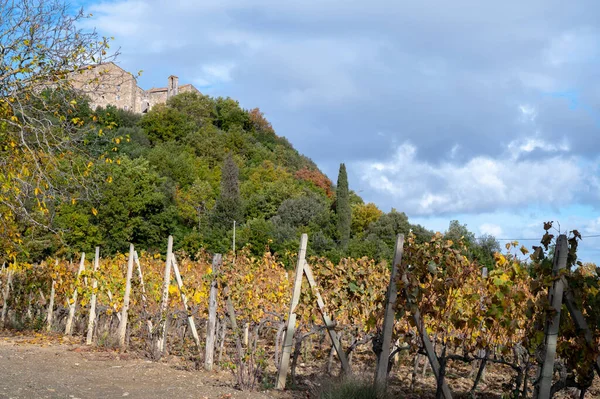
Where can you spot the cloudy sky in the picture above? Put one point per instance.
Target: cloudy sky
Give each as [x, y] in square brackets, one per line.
[483, 111]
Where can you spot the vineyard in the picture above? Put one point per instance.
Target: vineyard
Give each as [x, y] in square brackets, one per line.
[231, 311]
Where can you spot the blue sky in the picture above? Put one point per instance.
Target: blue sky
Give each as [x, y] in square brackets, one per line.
[485, 112]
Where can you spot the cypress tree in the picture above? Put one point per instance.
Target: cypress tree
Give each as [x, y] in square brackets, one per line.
[228, 206]
[342, 209]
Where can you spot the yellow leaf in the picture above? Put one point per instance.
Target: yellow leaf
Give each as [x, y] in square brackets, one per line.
[95, 211]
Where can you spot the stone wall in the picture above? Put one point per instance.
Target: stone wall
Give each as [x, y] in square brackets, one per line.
[109, 84]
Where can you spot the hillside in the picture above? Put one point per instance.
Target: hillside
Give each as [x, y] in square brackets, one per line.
[163, 173]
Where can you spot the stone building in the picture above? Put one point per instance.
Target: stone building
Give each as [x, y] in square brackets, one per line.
[109, 84]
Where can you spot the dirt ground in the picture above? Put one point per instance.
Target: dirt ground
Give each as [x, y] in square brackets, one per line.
[42, 366]
[36, 367]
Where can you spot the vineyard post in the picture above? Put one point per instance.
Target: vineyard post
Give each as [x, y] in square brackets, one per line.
[136, 259]
[110, 298]
[328, 323]
[246, 333]
[92, 317]
[291, 320]
[51, 306]
[390, 315]
[73, 304]
[125, 310]
[236, 334]
[429, 350]
[212, 315]
[6, 293]
[579, 320]
[161, 341]
[188, 310]
[555, 296]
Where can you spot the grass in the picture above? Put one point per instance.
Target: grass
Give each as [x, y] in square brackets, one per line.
[350, 388]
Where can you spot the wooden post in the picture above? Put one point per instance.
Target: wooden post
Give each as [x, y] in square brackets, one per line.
[291, 320]
[136, 259]
[579, 320]
[555, 295]
[190, 317]
[328, 323]
[110, 298]
[92, 317]
[246, 333]
[6, 293]
[50, 316]
[212, 315]
[236, 334]
[73, 304]
[429, 350]
[161, 340]
[390, 315]
[125, 309]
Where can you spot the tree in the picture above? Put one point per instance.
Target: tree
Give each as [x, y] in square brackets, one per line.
[41, 133]
[342, 208]
[228, 207]
[363, 215]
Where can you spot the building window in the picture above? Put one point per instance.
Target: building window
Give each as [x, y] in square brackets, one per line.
[118, 97]
[126, 108]
[118, 87]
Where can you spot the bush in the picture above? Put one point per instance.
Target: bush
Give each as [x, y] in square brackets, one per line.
[350, 389]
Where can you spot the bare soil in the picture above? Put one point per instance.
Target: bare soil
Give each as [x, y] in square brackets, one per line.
[54, 366]
[36, 366]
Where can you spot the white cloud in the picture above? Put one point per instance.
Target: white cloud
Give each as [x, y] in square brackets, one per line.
[573, 46]
[592, 227]
[491, 229]
[529, 144]
[481, 184]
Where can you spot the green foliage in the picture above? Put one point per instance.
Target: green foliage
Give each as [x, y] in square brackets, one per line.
[342, 207]
[482, 249]
[116, 117]
[190, 168]
[230, 114]
[300, 211]
[196, 107]
[164, 123]
[228, 207]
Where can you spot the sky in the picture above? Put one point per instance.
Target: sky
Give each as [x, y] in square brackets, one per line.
[484, 112]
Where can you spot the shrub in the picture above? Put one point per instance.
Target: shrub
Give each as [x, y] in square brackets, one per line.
[350, 389]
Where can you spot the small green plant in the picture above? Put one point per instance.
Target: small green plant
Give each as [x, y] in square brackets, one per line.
[106, 340]
[350, 388]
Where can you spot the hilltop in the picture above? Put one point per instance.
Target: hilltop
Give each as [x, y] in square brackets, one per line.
[162, 173]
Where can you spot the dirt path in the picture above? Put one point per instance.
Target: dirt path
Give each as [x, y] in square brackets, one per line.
[33, 368]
